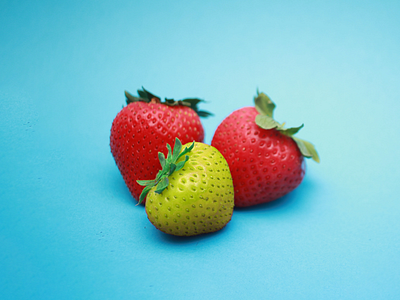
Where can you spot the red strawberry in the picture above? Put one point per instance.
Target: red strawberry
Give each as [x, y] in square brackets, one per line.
[265, 160]
[144, 127]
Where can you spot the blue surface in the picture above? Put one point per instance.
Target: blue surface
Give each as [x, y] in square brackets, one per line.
[69, 228]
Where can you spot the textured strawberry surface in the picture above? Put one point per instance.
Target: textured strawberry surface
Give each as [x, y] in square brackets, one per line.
[199, 198]
[141, 130]
[265, 164]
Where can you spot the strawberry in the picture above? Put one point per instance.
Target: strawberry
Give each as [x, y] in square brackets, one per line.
[265, 159]
[144, 127]
[192, 194]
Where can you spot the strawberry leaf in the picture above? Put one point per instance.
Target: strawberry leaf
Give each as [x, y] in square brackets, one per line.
[144, 193]
[291, 131]
[147, 97]
[186, 150]
[147, 94]
[130, 98]
[146, 182]
[172, 169]
[204, 114]
[162, 185]
[266, 122]
[172, 102]
[169, 151]
[161, 157]
[264, 104]
[177, 149]
[180, 164]
[192, 103]
[307, 149]
[143, 95]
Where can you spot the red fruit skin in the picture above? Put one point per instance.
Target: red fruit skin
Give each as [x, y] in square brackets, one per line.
[141, 130]
[265, 164]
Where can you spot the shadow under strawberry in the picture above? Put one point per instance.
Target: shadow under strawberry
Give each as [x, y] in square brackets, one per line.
[114, 185]
[173, 239]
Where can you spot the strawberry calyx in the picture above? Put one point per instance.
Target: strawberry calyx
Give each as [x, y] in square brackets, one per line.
[169, 165]
[147, 97]
[265, 120]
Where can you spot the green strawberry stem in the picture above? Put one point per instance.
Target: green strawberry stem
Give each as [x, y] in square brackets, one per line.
[146, 96]
[265, 120]
[169, 165]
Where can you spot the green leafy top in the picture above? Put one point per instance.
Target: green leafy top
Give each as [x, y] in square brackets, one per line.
[146, 96]
[265, 120]
[169, 165]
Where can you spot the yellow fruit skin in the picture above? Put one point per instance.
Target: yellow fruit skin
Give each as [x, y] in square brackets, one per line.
[199, 198]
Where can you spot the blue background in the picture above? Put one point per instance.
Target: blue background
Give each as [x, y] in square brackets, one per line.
[69, 228]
